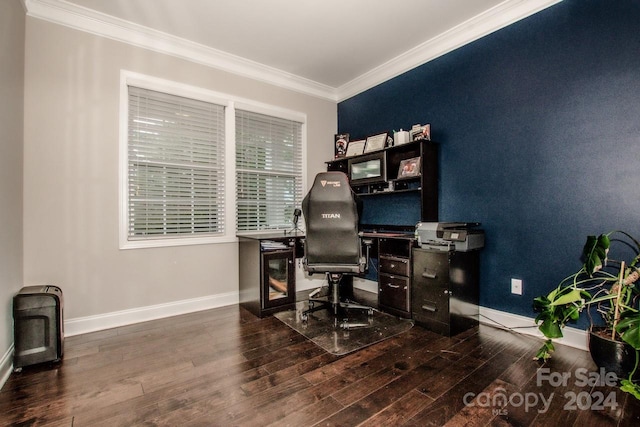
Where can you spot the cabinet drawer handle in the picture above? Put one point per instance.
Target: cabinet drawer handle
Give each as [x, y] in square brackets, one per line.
[431, 308]
[393, 286]
[429, 274]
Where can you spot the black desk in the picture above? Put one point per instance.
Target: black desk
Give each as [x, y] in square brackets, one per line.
[267, 271]
[393, 251]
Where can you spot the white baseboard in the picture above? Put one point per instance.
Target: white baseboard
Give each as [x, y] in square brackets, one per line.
[573, 337]
[6, 366]
[83, 325]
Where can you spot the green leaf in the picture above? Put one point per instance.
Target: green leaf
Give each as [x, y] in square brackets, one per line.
[550, 329]
[629, 329]
[573, 296]
[541, 317]
[540, 303]
[574, 313]
[595, 253]
[545, 351]
[630, 387]
[604, 242]
[593, 264]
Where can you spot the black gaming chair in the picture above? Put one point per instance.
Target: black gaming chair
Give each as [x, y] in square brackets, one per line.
[333, 245]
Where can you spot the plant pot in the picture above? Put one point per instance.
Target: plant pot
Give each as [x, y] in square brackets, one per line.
[613, 356]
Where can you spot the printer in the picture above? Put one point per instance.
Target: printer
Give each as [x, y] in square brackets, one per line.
[447, 236]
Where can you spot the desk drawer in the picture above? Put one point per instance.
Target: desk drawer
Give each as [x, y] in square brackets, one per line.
[395, 266]
[429, 303]
[394, 292]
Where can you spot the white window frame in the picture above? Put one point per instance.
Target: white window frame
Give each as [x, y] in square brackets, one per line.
[230, 103]
[286, 115]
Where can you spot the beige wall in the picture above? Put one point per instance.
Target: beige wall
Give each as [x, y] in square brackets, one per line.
[12, 23]
[71, 173]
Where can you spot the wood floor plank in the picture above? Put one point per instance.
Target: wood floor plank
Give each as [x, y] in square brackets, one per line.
[398, 412]
[447, 405]
[228, 367]
[474, 415]
[563, 362]
[379, 399]
[310, 414]
[630, 411]
[286, 374]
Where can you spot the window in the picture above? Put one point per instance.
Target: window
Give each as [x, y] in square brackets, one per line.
[175, 169]
[268, 171]
[181, 148]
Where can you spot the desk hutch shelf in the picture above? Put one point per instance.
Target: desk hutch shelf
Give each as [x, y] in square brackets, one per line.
[389, 180]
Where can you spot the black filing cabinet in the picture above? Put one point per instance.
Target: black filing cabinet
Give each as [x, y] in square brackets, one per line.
[38, 325]
[445, 290]
[394, 278]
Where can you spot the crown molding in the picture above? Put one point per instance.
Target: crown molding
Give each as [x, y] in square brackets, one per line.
[90, 21]
[500, 16]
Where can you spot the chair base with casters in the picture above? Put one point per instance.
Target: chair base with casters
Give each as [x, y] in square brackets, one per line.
[336, 306]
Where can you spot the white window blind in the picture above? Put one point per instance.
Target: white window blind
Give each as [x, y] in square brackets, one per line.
[268, 171]
[175, 176]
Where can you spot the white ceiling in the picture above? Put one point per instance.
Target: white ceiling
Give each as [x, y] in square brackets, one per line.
[328, 48]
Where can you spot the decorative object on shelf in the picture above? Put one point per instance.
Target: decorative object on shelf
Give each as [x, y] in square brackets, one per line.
[611, 286]
[409, 167]
[420, 132]
[367, 169]
[341, 142]
[378, 142]
[355, 148]
[401, 137]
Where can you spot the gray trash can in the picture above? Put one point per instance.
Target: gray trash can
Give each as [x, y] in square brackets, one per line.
[38, 325]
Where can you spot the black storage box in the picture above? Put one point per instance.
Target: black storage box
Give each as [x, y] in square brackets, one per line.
[37, 325]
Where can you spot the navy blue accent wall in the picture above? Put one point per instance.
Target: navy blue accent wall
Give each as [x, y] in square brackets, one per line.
[399, 209]
[539, 132]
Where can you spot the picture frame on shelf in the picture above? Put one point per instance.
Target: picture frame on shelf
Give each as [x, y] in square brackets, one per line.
[409, 168]
[340, 147]
[355, 148]
[420, 132]
[376, 142]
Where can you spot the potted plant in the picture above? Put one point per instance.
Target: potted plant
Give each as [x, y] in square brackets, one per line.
[611, 287]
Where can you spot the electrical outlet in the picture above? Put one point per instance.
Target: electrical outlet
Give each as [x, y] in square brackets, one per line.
[516, 286]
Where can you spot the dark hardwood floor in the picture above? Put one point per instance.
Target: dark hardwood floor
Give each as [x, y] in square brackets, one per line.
[226, 367]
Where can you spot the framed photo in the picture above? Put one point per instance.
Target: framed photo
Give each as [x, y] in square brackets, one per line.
[409, 167]
[355, 147]
[419, 132]
[376, 142]
[340, 147]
